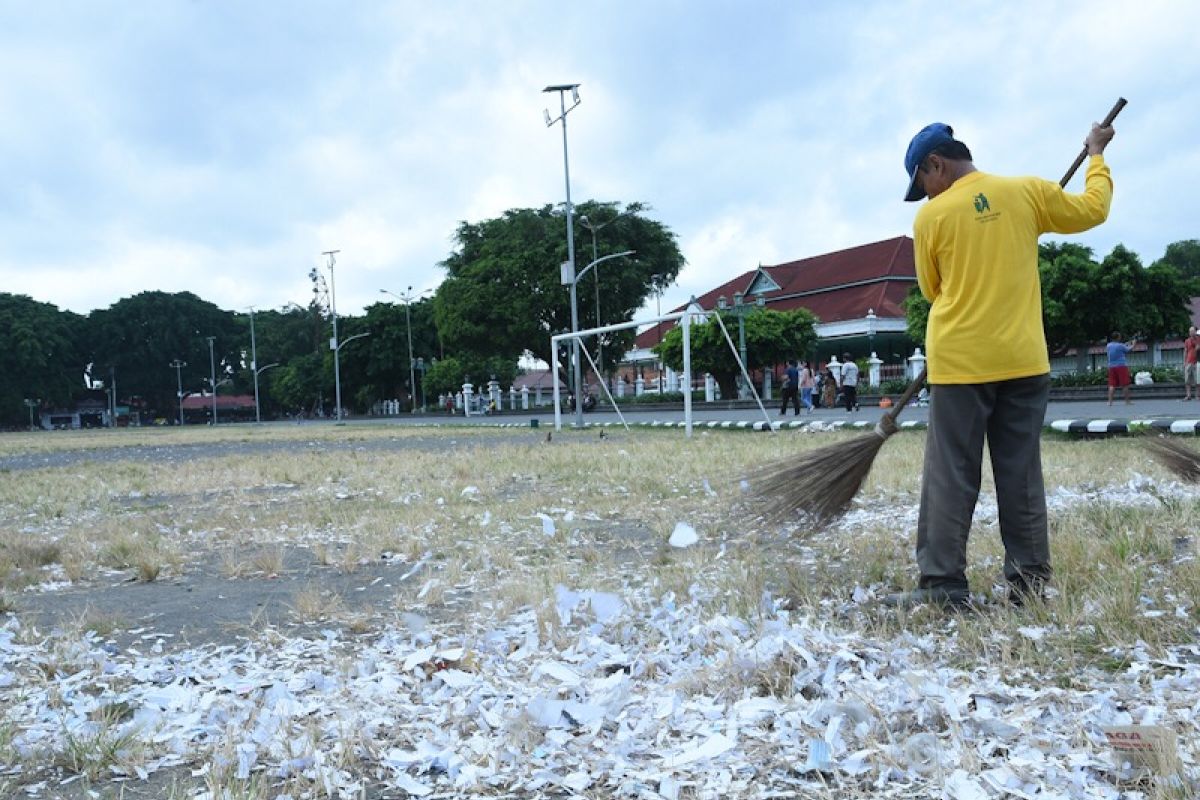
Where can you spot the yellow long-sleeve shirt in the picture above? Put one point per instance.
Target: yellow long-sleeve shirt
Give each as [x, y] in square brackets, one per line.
[977, 262]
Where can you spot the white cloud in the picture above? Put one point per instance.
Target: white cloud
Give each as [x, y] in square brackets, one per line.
[221, 149]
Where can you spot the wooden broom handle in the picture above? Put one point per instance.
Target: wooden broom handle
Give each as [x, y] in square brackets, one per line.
[1112, 114]
[912, 389]
[916, 385]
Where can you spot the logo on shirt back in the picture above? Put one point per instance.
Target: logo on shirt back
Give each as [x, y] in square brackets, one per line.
[981, 203]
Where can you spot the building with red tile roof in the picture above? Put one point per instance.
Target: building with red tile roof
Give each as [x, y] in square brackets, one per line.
[857, 295]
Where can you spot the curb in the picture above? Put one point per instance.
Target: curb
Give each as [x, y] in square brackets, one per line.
[1082, 427]
[1116, 427]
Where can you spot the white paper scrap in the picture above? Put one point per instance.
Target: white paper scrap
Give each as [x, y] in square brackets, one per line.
[961, 786]
[684, 535]
[712, 747]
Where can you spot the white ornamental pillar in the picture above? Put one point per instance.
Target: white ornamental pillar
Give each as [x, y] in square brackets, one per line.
[710, 388]
[620, 386]
[873, 364]
[525, 398]
[512, 397]
[639, 386]
[916, 363]
[467, 393]
[766, 389]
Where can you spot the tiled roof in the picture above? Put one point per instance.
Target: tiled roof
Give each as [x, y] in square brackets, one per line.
[834, 286]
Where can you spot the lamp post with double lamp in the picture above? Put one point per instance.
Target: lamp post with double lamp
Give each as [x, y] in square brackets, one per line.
[568, 269]
[872, 322]
[212, 366]
[422, 368]
[575, 327]
[407, 298]
[333, 343]
[740, 310]
[254, 365]
[178, 365]
[337, 349]
[594, 228]
[654, 279]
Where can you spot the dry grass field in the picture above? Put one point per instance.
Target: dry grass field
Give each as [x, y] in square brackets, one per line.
[375, 611]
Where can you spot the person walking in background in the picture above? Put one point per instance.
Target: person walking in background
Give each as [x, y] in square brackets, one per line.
[829, 387]
[807, 382]
[791, 389]
[1118, 368]
[849, 383]
[1189, 365]
[975, 243]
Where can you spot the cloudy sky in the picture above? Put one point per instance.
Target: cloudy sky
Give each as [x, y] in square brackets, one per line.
[219, 147]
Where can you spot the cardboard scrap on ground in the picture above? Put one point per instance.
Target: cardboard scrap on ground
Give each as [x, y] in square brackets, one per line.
[1150, 747]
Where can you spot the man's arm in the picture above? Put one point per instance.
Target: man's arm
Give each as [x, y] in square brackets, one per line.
[1060, 212]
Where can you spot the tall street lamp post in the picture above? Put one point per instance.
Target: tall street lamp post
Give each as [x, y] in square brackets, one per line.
[254, 366]
[212, 367]
[178, 365]
[740, 310]
[569, 267]
[594, 228]
[575, 327]
[872, 322]
[407, 298]
[336, 350]
[259, 371]
[333, 343]
[31, 405]
[421, 368]
[658, 325]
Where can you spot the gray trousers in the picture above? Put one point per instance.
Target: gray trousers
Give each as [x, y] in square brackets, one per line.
[1009, 416]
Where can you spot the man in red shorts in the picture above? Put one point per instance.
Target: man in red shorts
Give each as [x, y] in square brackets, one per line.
[1118, 370]
[1189, 365]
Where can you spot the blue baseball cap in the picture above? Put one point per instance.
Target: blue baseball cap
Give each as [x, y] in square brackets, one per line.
[925, 142]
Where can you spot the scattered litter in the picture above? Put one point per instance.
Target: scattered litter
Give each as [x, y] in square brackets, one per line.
[684, 535]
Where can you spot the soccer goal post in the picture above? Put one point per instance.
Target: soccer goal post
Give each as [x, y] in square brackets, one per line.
[686, 320]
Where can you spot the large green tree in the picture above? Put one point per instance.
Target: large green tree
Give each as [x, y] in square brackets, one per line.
[41, 356]
[1083, 300]
[135, 340]
[1184, 256]
[503, 295]
[772, 337]
[382, 360]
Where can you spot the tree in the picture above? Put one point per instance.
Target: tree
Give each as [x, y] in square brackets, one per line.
[916, 315]
[1159, 306]
[136, 339]
[1083, 301]
[1075, 312]
[1184, 256]
[40, 356]
[503, 295]
[385, 370]
[772, 337]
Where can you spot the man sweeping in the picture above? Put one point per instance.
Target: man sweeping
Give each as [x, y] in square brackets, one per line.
[976, 250]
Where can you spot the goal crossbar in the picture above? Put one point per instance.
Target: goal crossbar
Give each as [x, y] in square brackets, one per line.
[685, 319]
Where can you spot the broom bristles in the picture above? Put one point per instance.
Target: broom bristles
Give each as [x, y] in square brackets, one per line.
[820, 483]
[1177, 457]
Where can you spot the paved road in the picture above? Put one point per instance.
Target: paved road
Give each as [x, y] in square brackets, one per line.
[1090, 410]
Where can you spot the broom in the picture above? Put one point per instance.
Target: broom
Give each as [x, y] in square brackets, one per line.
[824, 481]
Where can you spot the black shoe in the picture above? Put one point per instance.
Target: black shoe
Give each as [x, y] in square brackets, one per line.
[934, 595]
